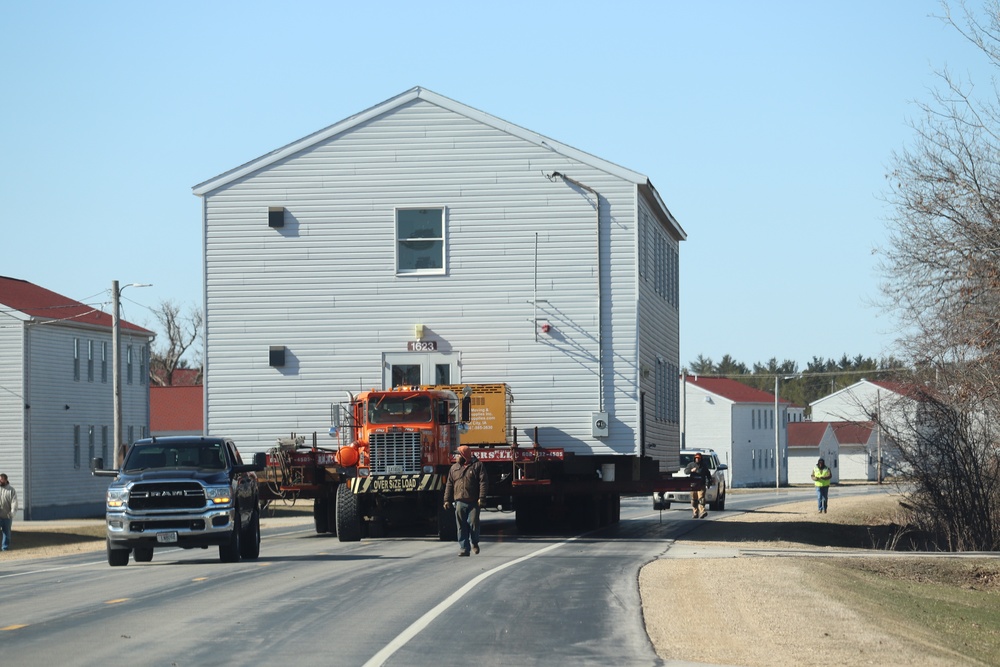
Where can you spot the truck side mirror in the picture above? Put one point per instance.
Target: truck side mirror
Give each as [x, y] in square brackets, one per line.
[466, 409]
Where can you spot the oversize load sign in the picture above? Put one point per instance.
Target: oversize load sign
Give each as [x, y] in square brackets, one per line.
[396, 483]
[523, 455]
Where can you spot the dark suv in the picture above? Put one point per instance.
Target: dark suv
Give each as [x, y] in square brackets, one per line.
[182, 491]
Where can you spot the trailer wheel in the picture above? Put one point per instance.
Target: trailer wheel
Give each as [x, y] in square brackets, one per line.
[117, 557]
[348, 517]
[143, 554]
[321, 515]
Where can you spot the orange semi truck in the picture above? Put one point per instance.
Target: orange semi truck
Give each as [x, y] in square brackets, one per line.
[388, 469]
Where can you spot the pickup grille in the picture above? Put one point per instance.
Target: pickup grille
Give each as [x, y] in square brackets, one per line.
[172, 496]
[395, 453]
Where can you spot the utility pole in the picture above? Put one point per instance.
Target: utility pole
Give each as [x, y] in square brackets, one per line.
[116, 364]
[777, 438]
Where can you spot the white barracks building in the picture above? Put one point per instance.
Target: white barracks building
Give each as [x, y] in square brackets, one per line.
[423, 241]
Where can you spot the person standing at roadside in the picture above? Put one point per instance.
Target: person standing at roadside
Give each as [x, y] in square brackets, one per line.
[466, 487]
[821, 476]
[698, 469]
[8, 507]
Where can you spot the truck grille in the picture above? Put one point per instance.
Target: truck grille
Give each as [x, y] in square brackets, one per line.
[395, 453]
[170, 496]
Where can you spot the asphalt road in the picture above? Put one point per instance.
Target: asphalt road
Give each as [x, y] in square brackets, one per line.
[312, 600]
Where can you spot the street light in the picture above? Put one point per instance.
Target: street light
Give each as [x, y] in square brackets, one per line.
[116, 364]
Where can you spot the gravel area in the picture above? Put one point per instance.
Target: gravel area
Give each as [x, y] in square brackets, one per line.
[755, 603]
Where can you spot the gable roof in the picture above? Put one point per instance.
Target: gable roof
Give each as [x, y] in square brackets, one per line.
[911, 390]
[806, 434]
[39, 304]
[418, 93]
[853, 433]
[177, 408]
[732, 390]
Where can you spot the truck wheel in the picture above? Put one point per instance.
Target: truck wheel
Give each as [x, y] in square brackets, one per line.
[230, 552]
[321, 515]
[143, 555]
[447, 528]
[331, 516]
[348, 517]
[117, 557]
[250, 540]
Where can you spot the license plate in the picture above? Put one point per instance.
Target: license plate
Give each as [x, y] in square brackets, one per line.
[166, 538]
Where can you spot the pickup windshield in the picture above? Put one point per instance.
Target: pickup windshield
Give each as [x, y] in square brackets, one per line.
[194, 455]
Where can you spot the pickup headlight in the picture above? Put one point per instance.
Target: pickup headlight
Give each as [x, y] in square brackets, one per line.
[117, 497]
[218, 495]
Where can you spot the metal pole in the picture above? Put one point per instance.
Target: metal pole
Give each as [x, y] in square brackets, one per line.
[116, 335]
[777, 438]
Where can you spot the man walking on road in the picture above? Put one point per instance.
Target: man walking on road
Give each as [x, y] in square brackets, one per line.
[466, 486]
[821, 476]
[8, 507]
[698, 469]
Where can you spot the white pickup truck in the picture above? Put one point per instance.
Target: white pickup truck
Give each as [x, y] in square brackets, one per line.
[715, 495]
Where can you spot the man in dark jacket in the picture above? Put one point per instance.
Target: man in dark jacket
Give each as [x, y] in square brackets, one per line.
[466, 487]
[698, 469]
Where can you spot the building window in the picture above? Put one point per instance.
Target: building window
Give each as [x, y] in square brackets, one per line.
[90, 361]
[131, 436]
[104, 443]
[76, 446]
[420, 241]
[104, 362]
[143, 364]
[76, 360]
[128, 364]
[90, 444]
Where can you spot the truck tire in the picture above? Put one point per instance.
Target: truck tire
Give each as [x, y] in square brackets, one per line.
[117, 557]
[348, 517]
[250, 540]
[230, 552]
[143, 554]
[321, 515]
[331, 515]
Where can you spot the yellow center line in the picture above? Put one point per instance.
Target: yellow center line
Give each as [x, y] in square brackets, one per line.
[118, 601]
[14, 627]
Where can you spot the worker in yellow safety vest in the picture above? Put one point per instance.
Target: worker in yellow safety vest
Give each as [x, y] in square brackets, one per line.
[821, 476]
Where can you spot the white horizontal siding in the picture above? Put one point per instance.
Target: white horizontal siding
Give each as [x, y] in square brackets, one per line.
[12, 400]
[324, 285]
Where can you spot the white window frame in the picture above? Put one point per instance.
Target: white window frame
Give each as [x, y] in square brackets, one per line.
[443, 239]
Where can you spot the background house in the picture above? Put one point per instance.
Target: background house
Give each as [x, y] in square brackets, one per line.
[807, 443]
[56, 403]
[859, 450]
[738, 422]
[424, 241]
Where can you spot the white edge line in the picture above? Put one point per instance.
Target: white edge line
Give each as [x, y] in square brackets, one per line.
[409, 633]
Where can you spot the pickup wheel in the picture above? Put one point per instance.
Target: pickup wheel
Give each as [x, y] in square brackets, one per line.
[230, 552]
[143, 554]
[250, 540]
[720, 502]
[117, 557]
[348, 517]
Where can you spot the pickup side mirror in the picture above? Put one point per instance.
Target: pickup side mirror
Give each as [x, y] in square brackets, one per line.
[259, 461]
[723, 466]
[97, 468]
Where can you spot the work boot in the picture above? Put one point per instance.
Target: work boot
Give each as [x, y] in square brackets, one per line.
[704, 514]
[463, 553]
[475, 549]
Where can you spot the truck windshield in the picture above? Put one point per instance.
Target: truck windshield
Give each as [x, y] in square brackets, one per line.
[193, 455]
[397, 409]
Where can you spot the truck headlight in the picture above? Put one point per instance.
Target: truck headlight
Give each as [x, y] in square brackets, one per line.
[218, 495]
[117, 497]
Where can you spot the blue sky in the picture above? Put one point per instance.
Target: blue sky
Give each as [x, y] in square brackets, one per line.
[767, 127]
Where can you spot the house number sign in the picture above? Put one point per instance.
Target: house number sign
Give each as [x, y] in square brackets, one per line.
[422, 346]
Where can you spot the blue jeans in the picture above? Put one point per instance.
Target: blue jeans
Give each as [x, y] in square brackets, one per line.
[5, 525]
[467, 518]
[822, 496]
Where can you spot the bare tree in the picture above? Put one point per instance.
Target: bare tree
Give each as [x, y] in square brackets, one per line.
[181, 331]
[941, 271]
